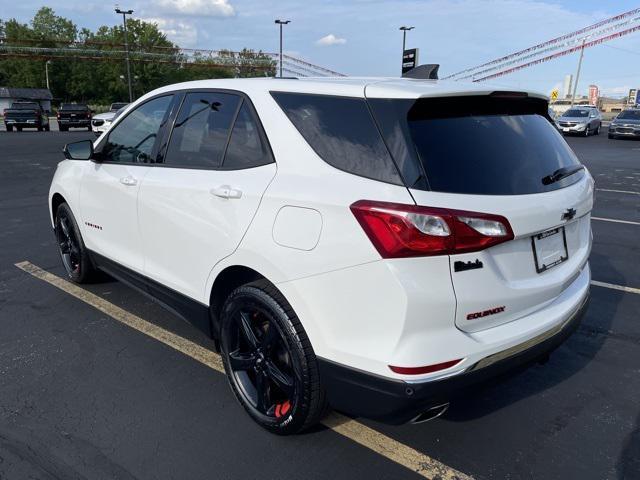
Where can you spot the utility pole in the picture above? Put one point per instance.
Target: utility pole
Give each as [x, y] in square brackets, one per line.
[281, 23]
[46, 72]
[575, 85]
[404, 41]
[126, 47]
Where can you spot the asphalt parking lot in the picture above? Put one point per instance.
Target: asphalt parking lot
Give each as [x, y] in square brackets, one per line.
[91, 388]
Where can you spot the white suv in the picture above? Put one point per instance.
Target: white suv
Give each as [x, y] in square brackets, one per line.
[375, 245]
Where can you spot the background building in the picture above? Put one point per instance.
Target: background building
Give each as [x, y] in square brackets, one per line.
[10, 95]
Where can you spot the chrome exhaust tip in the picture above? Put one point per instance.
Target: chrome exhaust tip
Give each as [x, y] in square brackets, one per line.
[431, 414]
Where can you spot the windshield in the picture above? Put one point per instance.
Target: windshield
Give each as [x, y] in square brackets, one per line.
[629, 115]
[576, 113]
[476, 148]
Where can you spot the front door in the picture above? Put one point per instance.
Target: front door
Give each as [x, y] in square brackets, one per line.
[111, 183]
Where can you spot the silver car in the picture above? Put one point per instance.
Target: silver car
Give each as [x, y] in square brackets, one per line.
[580, 120]
[626, 124]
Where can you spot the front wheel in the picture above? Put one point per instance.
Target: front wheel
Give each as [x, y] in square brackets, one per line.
[611, 136]
[73, 252]
[586, 131]
[269, 362]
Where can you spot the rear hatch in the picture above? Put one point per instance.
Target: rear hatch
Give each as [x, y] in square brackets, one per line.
[496, 154]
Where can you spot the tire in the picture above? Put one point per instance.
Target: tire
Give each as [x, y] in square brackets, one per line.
[598, 130]
[73, 253]
[89, 128]
[40, 129]
[586, 131]
[19, 129]
[280, 363]
[611, 136]
[63, 129]
[47, 128]
[9, 128]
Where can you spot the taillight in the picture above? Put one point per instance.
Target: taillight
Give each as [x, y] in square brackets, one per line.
[398, 230]
[58, 115]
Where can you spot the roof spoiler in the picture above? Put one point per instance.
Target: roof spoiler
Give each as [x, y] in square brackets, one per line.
[428, 71]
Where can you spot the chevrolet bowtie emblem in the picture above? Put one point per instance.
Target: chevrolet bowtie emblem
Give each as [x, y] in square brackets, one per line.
[569, 214]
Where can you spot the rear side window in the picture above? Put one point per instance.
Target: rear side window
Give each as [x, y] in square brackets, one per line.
[201, 130]
[478, 146]
[342, 132]
[246, 148]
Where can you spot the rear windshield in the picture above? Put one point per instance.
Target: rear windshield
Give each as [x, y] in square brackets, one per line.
[117, 106]
[576, 113]
[475, 145]
[630, 115]
[73, 106]
[25, 106]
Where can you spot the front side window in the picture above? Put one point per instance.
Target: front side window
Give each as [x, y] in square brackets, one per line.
[342, 132]
[201, 130]
[132, 140]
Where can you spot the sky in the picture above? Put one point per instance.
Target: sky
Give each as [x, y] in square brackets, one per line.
[361, 37]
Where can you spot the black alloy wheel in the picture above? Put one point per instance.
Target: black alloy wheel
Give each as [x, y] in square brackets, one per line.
[269, 361]
[73, 253]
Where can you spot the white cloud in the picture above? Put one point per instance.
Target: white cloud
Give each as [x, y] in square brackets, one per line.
[182, 33]
[331, 39]
[199, 8]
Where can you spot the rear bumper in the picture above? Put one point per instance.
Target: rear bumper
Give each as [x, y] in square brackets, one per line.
[395, 401]
[74, 123]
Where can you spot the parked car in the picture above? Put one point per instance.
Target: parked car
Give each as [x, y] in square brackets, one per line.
[373, 253]
[76, 115]
[101, 122]
[583, 121]
[25, 115]
[626, 124]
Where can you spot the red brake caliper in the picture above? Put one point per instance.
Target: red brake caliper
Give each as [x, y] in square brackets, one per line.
[282, 409]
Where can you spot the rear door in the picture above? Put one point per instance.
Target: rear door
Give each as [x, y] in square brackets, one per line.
[495, 157]
[195, 206]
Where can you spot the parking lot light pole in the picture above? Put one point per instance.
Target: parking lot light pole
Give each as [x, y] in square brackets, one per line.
[46, 72]
[126, 48]
[281, 23]
[575, 85]
[404, 41]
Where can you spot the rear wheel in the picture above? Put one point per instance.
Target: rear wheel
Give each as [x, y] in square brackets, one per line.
[270, 364]
[19, 129]
[47, 128]
[598, 130]
[89, 128]
[9, 128]
[63, 128]
[73, 252]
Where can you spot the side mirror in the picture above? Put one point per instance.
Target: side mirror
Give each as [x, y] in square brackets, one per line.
[82, 150]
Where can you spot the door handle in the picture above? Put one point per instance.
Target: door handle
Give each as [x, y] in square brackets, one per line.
[129, 181]
[225, 191]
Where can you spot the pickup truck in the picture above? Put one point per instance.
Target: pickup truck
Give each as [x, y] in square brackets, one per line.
[74, 115]
[25, 115]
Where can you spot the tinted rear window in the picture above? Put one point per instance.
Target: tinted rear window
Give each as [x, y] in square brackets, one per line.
[73, 106]
[342, 132]
[470, 146]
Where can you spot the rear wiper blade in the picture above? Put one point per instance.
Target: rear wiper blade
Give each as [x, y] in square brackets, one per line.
[561, 173]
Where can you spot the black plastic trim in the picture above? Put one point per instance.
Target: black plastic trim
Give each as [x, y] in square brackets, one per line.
[363, 394]
[191, 310]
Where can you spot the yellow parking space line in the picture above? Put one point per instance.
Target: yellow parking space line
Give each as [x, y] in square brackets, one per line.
[628, 222]
[613, 286]
[375, 441]
[617, 191]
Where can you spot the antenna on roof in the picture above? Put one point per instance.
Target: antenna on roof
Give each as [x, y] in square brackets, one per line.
[428, 71]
